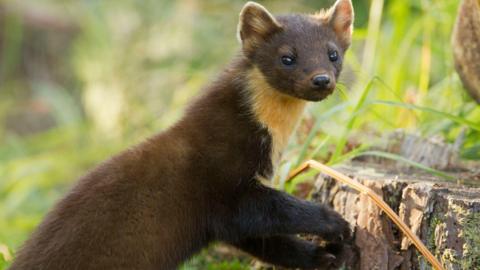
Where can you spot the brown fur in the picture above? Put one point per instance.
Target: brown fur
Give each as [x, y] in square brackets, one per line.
[156, 204]
[261, 25]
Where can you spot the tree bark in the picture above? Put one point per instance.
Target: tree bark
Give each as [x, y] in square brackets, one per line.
[445, 216]
[466, 46]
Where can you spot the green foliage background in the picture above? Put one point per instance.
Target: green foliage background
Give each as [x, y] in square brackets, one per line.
[102, 75]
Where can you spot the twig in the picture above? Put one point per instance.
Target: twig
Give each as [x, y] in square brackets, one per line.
[378, 201]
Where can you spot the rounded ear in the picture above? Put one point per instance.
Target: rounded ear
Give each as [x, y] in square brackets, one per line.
[341, 20]
[255, 26]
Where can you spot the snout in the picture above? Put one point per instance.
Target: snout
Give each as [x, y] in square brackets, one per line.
[323, 82]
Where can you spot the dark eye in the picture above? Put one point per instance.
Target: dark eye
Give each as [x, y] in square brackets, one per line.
[288, 60]
[333, 56]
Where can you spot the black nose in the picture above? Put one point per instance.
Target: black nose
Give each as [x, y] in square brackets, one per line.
[321, 81]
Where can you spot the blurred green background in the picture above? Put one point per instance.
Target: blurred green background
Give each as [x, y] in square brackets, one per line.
[81, 80]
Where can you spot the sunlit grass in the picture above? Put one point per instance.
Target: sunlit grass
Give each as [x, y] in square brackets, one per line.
[404, 80]
[135, 65]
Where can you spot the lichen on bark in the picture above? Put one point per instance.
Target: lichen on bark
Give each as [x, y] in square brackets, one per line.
[445, 216]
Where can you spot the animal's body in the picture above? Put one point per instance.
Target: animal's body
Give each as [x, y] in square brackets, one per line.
[157, 203]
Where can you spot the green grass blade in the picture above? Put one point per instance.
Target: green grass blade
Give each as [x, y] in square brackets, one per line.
[315, 128]
[342, 90]
[319, 147]
[407, 161]
[361, 101]
[347, 156]
[452, 117]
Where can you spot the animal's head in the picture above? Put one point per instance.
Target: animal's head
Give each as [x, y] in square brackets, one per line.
[299, 55]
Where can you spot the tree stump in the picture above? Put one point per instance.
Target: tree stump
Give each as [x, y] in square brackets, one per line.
[445, 216]
[466, 46]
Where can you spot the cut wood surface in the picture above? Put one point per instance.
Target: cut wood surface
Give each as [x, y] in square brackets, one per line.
[445, 216]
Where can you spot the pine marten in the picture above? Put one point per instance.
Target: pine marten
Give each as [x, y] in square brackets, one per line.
[157, 203]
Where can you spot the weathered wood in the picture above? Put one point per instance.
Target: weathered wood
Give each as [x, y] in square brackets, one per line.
[432, 152]
[466, 46]
[445, 216]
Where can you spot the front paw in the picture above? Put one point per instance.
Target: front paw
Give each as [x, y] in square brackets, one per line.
[335, 228]
[330, 257]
